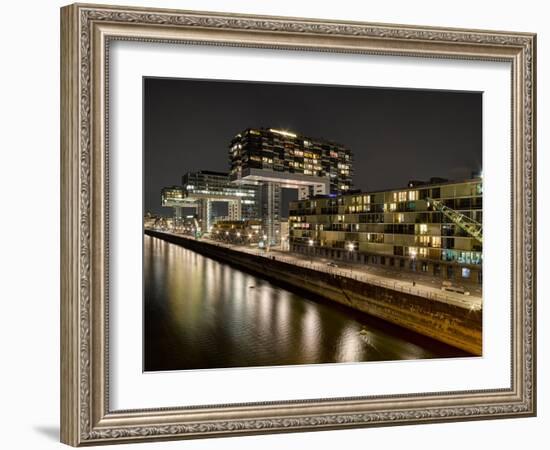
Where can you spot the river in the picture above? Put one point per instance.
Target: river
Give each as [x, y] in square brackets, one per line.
[203, 314]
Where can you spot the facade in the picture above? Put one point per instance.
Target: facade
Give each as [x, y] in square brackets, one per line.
[171, 196]
[238, 231]
[283, 155]
[206, 186]
[284, 235]
[209, 182]
[277, 159]
[401, 228]
[271, 205]
[174, 197]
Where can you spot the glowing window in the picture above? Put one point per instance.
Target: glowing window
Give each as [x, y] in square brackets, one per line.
[424, 239]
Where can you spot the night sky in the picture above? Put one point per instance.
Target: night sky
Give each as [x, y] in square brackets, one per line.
[396, 135]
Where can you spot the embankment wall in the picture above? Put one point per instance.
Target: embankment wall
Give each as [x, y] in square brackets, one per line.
[451, 324]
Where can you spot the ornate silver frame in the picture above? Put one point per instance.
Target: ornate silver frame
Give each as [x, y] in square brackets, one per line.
[86, 31]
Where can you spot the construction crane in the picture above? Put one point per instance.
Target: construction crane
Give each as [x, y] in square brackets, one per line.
[198, 230]
[470, 226]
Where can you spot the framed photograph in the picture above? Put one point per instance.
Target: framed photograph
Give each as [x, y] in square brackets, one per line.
[276, 224]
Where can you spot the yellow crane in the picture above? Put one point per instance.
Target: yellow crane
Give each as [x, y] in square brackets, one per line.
[470, 226]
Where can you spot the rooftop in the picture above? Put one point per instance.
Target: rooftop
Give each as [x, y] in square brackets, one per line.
[290, 134]
[213, 172]
[433, 182]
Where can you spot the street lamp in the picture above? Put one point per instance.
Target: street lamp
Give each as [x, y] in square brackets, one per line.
[310, 242]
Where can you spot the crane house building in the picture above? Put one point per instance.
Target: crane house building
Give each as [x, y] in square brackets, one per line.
[268, 154]
[432, 227]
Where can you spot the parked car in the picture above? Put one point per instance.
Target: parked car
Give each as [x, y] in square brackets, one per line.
[332, 264]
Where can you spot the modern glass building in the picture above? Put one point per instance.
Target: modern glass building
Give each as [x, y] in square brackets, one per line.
[268, 154]
[277, 159]
[206, 186]
[432, 227]
[172, 196]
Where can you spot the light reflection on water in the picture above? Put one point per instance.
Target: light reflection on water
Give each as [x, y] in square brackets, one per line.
[199, 313]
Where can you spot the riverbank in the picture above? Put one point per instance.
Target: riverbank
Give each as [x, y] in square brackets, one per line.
[448, 321]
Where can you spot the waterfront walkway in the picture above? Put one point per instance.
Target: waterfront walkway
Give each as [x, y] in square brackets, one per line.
[424, 285]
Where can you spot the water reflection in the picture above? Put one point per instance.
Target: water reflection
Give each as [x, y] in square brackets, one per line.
[199, 313]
